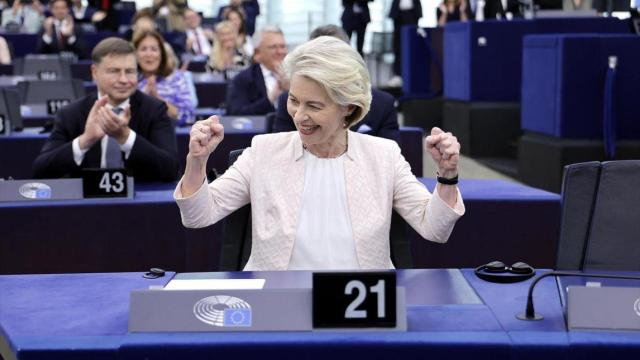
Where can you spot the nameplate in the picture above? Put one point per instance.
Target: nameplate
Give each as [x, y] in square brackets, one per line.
[227, 310]
[106, 183]
[47, 189]
[354, 300]
[47, 75]
[53, 105]
[603, 308]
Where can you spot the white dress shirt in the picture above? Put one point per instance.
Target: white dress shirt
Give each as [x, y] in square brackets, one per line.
[78, 153]
[270, 80]
[201, 45]
[57, 25]
[324, 239]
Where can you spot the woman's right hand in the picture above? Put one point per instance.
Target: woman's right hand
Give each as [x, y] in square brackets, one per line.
[204, 137]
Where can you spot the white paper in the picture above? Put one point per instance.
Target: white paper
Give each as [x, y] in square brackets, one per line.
[215, 284]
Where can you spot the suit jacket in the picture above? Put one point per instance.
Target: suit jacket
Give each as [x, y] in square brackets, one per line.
[152, 158]
[79, 46]
[352, 20]
[247, 93]
[394, 12]
[381, 120]
[270, 175]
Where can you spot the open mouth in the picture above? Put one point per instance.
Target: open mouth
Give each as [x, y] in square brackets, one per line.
[308, 129]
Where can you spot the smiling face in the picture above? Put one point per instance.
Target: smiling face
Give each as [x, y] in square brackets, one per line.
[116, 76]
[59, 9]
[271, 51]
[227, 35]
[149, 55]
[318, 119]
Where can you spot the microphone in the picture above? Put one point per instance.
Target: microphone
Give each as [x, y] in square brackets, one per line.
[530, 314]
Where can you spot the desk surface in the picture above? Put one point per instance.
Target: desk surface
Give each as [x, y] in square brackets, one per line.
[90, 311]
[85, 316]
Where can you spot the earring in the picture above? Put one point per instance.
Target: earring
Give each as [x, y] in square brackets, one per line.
[345, 124]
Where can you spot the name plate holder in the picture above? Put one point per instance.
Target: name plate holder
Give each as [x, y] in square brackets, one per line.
[603, 308]
[276, 309]
[48, 189]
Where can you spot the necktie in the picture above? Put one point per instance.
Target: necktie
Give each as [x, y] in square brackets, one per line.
[59, 36]
[198, 47]
[114, 153]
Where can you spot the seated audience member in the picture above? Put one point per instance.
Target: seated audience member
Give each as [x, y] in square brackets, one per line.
[237, 17]
[322, 197]
[82, 13]
[255, 90]
[452, 10]
[142, 21]
[198, 39]
[172, 11]
[225, 57]
[5, 53]
[381, 120]
[158, 78]
[250, 10]
[118, 127]
[27, 17]
[60, 34]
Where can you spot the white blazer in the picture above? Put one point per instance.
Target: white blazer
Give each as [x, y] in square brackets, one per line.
[270, 175]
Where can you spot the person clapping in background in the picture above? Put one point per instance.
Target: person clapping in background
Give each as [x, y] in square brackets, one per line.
[160, 80]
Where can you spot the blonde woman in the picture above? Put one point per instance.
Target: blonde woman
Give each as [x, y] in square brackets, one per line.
[322, 196]
[225, 58]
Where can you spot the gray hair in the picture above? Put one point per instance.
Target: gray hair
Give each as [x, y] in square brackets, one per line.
[338, 68]
[257, 37]
[329, 30]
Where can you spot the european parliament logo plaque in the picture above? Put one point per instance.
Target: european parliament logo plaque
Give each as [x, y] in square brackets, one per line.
[369, 302]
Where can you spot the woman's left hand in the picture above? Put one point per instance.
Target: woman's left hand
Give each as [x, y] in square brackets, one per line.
[445, 151]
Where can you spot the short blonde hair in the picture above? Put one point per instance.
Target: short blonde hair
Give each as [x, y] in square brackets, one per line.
[338, 68]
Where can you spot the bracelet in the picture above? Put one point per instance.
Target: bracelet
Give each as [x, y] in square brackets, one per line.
[446, 181]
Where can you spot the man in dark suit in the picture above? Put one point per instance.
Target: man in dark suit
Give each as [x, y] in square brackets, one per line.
[355, 19]
[255, 90]
[382, 118]
[59, 33]
[121, 127]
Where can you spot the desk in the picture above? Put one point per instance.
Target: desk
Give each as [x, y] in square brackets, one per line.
[86, 317]
[504, 221]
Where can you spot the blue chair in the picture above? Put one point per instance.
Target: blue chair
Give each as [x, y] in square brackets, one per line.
[600, 216]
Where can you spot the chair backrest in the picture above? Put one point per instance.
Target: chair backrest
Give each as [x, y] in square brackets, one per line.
[600, 213]
[236, 241]
[45, 67]
[42, 91]
[270, 119]
[10, 108]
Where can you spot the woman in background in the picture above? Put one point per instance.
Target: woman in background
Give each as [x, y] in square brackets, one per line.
[160, 80]
[225, 57]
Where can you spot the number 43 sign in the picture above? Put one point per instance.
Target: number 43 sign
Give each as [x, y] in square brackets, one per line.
[104, 183]
[354, 300]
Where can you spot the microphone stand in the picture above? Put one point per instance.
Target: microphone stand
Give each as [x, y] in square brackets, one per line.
[530, 314]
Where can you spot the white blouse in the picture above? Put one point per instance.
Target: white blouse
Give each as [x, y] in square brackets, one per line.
[324, 239]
